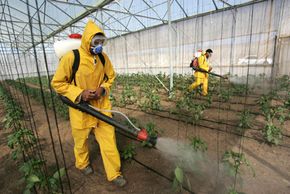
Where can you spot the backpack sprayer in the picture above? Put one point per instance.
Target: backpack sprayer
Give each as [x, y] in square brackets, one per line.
[61, 47]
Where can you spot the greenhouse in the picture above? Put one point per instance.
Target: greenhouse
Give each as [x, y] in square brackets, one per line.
[143, 96]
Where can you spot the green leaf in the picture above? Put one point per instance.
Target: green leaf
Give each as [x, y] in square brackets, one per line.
[179, 174]
[33, 179]
[61, 172]
[53, 183]
[29, 186]
[175, 183]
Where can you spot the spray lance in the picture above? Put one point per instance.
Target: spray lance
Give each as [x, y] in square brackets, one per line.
[204, 71]
[140, 134]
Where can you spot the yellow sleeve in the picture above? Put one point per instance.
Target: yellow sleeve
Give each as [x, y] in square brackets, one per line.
[203, 64]
[60, 80]
[111, 75]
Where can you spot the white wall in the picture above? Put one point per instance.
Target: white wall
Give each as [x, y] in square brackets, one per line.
[252, 32]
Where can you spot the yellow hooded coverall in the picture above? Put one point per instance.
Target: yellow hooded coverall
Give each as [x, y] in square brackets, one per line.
[89, 76]
[200, 77]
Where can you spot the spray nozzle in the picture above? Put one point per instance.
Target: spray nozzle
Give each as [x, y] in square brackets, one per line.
[143, 136]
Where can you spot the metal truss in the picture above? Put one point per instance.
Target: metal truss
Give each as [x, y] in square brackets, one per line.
[62, 17]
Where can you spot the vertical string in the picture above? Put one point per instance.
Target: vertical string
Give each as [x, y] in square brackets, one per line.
[41, 91]
[52, 99]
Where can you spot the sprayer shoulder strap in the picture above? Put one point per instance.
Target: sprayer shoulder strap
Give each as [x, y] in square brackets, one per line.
[103, 61]
[76, 65]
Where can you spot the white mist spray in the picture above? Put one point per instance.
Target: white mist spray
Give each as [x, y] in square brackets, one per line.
[205, 175]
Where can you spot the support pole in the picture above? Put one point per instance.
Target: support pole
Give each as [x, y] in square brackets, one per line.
[170, 44]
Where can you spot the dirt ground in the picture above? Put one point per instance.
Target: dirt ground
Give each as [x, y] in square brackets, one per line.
[271, 163]
[140, 179]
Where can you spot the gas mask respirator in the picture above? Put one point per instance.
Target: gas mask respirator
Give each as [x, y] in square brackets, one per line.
[96, 49]
[97, 44]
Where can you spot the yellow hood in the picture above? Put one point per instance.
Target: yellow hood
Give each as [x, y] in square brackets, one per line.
[90, 30]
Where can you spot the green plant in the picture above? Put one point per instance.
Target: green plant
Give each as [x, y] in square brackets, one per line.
[198, 144]
[128, 152]
[152, 132]
[54, 180]
[34, 177]
[13, 112]
[185, 102]
[197, 112]
[264, 102]
[128, 95]
[32, 174]
[278, 112]
[113, 100]
[234, 161]
[287, 101]
[283, 83]
[209, 99]
[21, 141]
[133, 120]
[61, 108]
[225, 94]
[240, 89]
[245, 121]
[232, 190]
[151, 100]
[272, 133]
[13, 115]
[178, 179]
[193, 110]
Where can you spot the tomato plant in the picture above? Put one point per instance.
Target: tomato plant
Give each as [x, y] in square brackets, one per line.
[234, 161]
[21, 141]
[128, 95]
[232, 190]
[151, 100]
[152, 132]
[193, 110]
[198, 144]
[178, 179]
[240, 89]
[128, 152]
[225, 94]
[245, 121]
[13, 112]
[34, 176]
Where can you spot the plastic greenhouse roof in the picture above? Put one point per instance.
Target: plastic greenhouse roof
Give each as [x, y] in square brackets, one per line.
[59, 18]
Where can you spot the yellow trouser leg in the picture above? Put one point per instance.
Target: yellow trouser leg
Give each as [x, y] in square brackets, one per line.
[105, 135]
[81, 150]
[205, 86]
[195, 84]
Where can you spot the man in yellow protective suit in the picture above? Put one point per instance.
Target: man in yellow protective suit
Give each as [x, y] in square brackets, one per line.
[92, 83]
[201, 78]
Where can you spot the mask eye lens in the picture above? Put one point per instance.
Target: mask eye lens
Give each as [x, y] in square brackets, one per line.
[97, 42]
